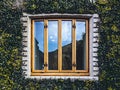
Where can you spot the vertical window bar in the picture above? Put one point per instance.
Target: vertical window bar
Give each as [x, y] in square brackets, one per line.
[73, 46]
[59, 45]
[46, 45]
[32, 46]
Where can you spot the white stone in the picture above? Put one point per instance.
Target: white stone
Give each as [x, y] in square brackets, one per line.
[94, 25]
[95, 15]
[25, 24]
[95, 64]
[24, 19]
[25, 48]
[24, 62]
[25, 34]
[95, 45]
[95, 54]
[96, 20]
[95, 68]
[95, 40]
[95, 34]
[24, 68]
[95, 29]
[95, 49]
[24, 43]
[24, 53]
[95, 73]
[95, 59]
[25, 38]
[24, 58]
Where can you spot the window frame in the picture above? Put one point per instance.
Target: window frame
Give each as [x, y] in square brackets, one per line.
[94, 21]
[60, 72]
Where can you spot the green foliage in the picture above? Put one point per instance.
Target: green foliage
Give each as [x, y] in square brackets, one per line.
[59, 6]
[109, 45]
[10, 44]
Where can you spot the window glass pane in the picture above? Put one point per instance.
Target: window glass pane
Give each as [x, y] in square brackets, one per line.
[39, 45]
[66, 45]
[52, 45]
[80, 45]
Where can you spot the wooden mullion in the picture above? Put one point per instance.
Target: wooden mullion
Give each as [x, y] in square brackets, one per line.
[59, 45]
[73, 46]
[46, 45]
[32, 46]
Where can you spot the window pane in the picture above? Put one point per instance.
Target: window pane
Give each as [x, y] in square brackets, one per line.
[66, 45]
[39, 45]
[53, 45]
[80, 45]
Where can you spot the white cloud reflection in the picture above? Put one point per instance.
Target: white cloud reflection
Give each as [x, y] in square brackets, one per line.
[66, 32]
[53, 33]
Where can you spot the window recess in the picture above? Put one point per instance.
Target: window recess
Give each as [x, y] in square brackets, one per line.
[59, 47]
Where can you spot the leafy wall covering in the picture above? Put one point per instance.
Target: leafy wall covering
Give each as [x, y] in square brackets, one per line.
[11, 37]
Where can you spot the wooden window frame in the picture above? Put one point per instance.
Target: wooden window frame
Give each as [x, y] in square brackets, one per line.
[60, 72]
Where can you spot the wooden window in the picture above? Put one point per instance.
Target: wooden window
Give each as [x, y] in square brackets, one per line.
[59, 47]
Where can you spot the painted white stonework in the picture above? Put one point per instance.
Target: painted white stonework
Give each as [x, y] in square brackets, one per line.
[93, 44]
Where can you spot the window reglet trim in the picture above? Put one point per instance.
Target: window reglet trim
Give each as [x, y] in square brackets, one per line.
[93, 40]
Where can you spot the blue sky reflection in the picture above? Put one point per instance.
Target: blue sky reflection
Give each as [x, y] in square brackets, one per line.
[53, 33]
[80, 30]
[66, 32]
[52, 36]
[39, 34]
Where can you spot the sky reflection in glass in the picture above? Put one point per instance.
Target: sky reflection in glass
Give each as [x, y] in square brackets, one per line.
[66, 45]
[66, 32]
[52, 36]
[39, 45]
[80, 45]
[53, 33]
[39, 34]
[80, 30]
